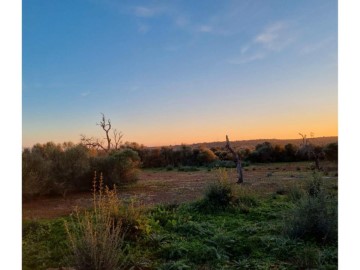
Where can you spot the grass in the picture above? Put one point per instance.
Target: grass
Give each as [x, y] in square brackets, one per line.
[248, 233]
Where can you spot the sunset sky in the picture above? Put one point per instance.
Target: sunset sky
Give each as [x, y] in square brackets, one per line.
[171, 72]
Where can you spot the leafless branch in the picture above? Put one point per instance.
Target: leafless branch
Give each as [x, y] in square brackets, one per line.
[117, 138]
[105, 124]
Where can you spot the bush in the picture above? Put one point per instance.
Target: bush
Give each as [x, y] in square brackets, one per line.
[54, 169]
[314, 185]
[126, 166]
[218, 195]
[35, 174]
[206, 156]
[74, 168]
[245, 197]
[331, 152]
[295, 193]
[313, 219]
[119, 167]
[96, 237]
[315, 215]
[131, 215]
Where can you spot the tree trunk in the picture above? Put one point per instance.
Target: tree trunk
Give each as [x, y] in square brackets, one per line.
[238, 161]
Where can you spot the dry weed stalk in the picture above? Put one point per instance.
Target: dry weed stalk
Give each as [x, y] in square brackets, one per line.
[96, 237]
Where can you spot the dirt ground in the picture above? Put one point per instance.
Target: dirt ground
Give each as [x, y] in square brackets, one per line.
[161, 186]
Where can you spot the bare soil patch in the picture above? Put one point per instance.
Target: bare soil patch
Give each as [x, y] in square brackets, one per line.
[160, 186]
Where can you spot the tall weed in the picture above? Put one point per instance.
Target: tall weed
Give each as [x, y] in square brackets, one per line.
[96, 238]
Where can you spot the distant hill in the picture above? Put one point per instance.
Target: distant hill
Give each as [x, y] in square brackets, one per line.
[251, 144]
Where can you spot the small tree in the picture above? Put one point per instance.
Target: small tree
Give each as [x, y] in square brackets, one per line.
[112, 142]
[312, 151]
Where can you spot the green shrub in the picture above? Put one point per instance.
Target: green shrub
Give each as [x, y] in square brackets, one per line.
[308, 257]
[126, 166]
[175, 265]
[35, 174]
[43, 244]
[245, 197]
[74, 168]
[295, 193]
[55, 169]
[131, 215]
[315, 215]
[314, 185]
[34, 251]
[218, 195]
[119, 167]
[314, 218]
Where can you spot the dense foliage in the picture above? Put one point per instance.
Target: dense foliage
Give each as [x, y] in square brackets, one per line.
[219, 157]
[56, 169]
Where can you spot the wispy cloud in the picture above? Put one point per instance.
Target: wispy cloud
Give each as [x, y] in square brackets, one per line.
[85, 94]
[247, 59]
[270, 33]
[244, 49]
[204, 29]
[147, 12]
[311, 48]
[273, 38]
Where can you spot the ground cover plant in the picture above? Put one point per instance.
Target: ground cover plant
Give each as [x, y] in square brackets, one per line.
[257, 227]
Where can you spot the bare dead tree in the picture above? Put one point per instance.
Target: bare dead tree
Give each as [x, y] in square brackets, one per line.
[313, 152]
[96, 143]
[117, 139]
[238, 161]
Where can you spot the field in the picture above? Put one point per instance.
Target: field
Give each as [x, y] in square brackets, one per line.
[181, 234]
[161, 186]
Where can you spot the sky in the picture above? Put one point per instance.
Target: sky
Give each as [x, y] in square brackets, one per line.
[171, 72]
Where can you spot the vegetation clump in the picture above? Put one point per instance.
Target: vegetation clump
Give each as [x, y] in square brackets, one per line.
[315, 215]
[96, 238]
[220, 194]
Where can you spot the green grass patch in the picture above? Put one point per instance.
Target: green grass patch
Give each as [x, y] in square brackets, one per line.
[249, 231]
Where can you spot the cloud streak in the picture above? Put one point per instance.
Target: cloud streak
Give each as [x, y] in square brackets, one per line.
[147, 12]
[273, 38]
[314, 47]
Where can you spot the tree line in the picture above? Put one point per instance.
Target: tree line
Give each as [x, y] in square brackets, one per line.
[60, 168]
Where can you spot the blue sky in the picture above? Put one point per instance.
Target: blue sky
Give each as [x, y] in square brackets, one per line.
[170, 72]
